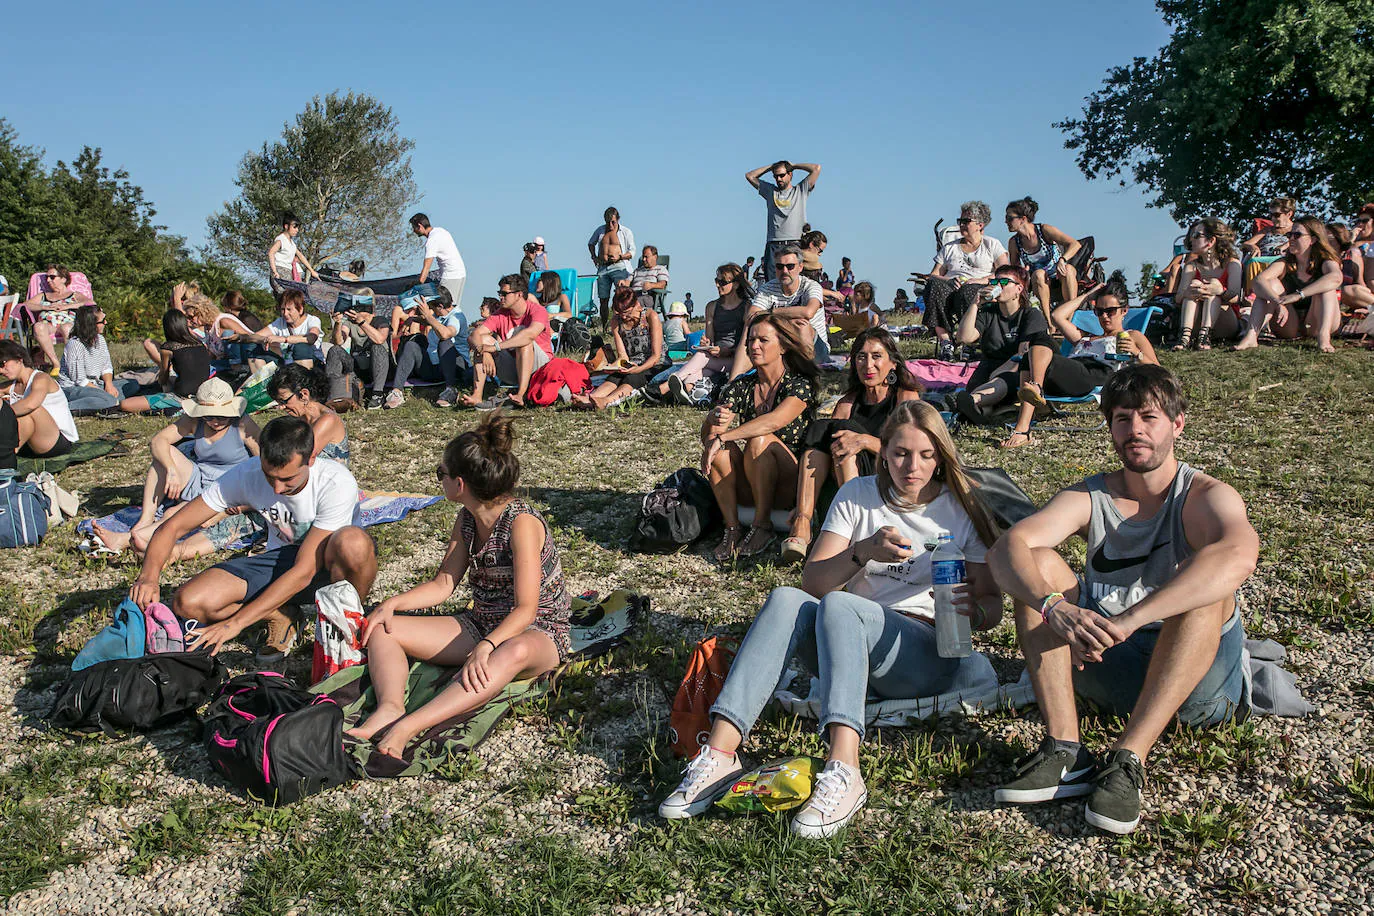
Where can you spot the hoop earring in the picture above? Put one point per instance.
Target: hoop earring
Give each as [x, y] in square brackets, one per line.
[892, 376]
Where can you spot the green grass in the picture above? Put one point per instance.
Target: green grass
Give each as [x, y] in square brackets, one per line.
[477, 838]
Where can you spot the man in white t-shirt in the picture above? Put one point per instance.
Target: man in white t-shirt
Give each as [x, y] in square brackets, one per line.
[314, 538]
[442, 257]
[792, 296]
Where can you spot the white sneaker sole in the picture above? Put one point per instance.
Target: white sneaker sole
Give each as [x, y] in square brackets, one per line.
[825, 831]
[1111, 825]
[706, 800]
[1050, 793]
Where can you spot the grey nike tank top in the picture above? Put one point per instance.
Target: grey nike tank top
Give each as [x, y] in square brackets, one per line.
[1127, 558]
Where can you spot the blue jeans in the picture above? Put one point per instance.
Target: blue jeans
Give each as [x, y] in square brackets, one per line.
[856, 647]
[1114, 683]
[414, 359]
[822, 349]
[89, 398]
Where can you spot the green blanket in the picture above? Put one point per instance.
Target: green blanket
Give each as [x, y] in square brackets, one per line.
[85, 450]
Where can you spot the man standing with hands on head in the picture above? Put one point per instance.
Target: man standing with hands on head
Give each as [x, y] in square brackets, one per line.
[441, 258]
[613, 257]
[786, 205]
[1150, 629]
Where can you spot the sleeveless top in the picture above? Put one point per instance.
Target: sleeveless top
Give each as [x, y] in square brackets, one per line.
[1127, 558]
[55, 403]
[872, 416]
[63, 316]
[191, 363]
[491, 577]
[1044, 256]
[213, 459]
[728, 323]
[639, 342]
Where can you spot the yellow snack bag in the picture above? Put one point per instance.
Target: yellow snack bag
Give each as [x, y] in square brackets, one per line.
[778, 786]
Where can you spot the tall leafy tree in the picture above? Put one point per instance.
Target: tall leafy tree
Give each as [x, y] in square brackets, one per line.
[342, 167]
[1249, 100]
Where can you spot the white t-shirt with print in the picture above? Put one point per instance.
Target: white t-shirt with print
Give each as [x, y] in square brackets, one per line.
[279, 328]
[328, 501]
[858, 512]
[977, 264]
[770, 296]
[448, 263]
[285, 256]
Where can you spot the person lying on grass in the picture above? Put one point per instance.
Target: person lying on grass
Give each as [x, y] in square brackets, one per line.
[872, 630]
[518, 626]
[1150, 629]
[313, 539]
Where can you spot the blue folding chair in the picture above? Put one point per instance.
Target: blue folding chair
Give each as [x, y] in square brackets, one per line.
[1137, 319]
[584, 304]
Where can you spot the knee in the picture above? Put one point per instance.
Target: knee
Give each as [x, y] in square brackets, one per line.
[193, 604]
[787, 602]
[849, 610]
[1068, 272]
[1038, 277]
[755, 448]
[350, 549]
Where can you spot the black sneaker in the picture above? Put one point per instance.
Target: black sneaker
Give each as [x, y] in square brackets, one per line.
[375, 402]
[945, 350]
[1115, 802]
[1049, 774]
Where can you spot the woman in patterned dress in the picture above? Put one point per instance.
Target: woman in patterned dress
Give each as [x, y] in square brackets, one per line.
[518, 625]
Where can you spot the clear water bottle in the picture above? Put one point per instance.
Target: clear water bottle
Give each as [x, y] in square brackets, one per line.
[953, 638]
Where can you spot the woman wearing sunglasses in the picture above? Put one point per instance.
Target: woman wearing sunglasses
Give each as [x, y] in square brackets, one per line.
[961, 268]
[1096, 357]
[1208, 293]
[1300, 291]
[715, 352]
[1016, 347]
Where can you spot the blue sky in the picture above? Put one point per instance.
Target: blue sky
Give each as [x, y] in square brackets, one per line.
[530, 119]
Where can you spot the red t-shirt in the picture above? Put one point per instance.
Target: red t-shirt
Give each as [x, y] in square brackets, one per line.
[503, 324]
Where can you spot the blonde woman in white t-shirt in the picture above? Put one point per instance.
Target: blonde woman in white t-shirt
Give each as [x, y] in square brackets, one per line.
[871, 631]
[283, 256]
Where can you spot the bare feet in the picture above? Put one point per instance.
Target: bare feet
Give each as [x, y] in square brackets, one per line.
[471, 400]
[1016, 440]
[1249, 342]
[517, 399]
[115, 540]
[394, 744]
[385, 715]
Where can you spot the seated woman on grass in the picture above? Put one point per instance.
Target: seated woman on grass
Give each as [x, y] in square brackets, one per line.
[212, 436]
[518, 626]
[1209, 289]
[87, 373]
[847, 443]
[1299, 291]
[724, 329]
[755, 463]
[301, 392]
[45, 425]
[862, 620]
[181, 355]
[637, 334]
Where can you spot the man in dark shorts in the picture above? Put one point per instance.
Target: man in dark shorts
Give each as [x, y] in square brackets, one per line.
[1150, 630]
[314, 538]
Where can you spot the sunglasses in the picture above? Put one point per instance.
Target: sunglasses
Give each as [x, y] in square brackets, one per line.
[440, 474]
[505, 292]
[724, 282]
[52, 277]
[964, 220]
[1108, 311]
[1197, 235]
[787, 266]
[1000, 281]
[1364, 219]
[1297, 235]
[780, 177]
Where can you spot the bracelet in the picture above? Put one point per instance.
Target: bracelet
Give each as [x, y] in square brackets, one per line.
[854, 558]
[488, 642]
[1049, 604]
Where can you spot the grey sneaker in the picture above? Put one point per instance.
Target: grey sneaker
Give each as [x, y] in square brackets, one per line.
[707, 777]
[446, 397]
[1049, 774]
[374, 402]
[838, 795]
[1115, 802]
[394, 398]
[678, 391]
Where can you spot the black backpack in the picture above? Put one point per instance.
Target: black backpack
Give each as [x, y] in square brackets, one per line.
[679, 511]
[275, 741]
[574, 339]
[128, 693]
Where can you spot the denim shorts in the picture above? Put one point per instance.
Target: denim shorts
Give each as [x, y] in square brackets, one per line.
[1114, 683]
[260, 571]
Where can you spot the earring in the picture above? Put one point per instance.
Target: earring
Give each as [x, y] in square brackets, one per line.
[940, 472]
[892, 376]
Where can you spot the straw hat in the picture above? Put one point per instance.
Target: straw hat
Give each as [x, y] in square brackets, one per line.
[214, 398]
[678, 308]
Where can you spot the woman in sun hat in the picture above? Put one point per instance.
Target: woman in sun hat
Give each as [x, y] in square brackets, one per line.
[541, 259]
[220, 437]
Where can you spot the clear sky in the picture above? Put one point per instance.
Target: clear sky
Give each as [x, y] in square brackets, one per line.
[529, 119]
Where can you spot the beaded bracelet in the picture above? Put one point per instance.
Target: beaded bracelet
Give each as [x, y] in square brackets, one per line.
[1051, 600]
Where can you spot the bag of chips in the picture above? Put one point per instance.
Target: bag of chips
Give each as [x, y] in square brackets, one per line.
[780, 785]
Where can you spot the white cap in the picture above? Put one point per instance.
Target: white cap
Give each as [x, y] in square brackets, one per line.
[538, 240]
[677, 308]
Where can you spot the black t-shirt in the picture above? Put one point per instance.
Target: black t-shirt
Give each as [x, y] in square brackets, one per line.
[999, 337]
[191, 363]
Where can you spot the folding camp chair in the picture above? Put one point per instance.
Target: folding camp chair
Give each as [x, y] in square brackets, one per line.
[11, 327]
[1137, 319]
[584, 304]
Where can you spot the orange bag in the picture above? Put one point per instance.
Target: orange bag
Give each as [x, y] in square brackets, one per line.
[689, 722]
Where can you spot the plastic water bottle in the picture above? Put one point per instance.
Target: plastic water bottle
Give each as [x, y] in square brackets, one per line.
[953, 638]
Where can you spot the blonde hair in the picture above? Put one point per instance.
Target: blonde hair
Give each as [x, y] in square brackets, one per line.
[950, 469]
[201, 308]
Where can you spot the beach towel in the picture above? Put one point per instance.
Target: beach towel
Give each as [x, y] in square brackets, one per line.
[378, 508]
[938, 373]
[84, 450]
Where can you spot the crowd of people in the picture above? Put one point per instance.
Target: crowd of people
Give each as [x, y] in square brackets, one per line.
[1147, 630]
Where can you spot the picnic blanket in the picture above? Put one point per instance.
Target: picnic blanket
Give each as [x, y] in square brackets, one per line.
[597, 626]
[941, 374]
[85, 450]
[379, 507]
[322, 295]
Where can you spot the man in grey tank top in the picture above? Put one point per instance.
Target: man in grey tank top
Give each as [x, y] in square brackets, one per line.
[1150, 629]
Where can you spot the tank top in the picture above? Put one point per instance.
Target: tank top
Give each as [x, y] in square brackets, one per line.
[728, 323]
[214, 458]
[1044, 256]
[1128, 558]
[285, 258]
[55, 403]
[191, 363]
[639, 342]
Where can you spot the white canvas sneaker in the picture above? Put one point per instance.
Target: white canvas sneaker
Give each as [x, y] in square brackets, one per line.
[708, 776]
[838, 795]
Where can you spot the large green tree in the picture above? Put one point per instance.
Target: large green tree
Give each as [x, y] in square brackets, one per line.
[1249, 100]
[342, 167]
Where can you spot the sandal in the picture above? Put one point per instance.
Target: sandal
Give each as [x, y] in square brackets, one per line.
[1010, 441]
[729, 544]
[1185, 340]
[757, 548]
[793, 550]
[1204, 339]
[1030, 393]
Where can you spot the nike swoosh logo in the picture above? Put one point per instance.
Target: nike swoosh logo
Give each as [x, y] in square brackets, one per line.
[1102, 563]
[1076, 774]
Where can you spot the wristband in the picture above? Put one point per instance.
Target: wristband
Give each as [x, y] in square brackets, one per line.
[488, 642]
[1051, 600]
[854, 558]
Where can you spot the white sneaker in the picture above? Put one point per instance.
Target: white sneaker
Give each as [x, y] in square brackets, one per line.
[708, 776]
[394, 398]
[447, 397]
[838, 795]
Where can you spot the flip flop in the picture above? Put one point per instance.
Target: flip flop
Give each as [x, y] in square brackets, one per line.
[97, 549]
[793, 550]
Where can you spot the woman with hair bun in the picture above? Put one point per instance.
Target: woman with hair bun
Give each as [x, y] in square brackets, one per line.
[518, 625]
[1044, 251]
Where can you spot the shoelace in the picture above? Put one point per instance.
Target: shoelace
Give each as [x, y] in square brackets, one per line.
[831, 786]
[1026, 764]
[702, 767]
[1126, 769]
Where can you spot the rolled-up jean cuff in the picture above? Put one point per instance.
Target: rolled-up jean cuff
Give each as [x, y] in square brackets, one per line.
[833, 719]
[720, 712]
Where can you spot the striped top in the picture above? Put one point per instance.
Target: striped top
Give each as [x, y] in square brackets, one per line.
[82, 365]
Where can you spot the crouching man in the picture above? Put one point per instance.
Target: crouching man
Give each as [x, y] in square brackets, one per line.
[311, 508]
[1150, 630]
